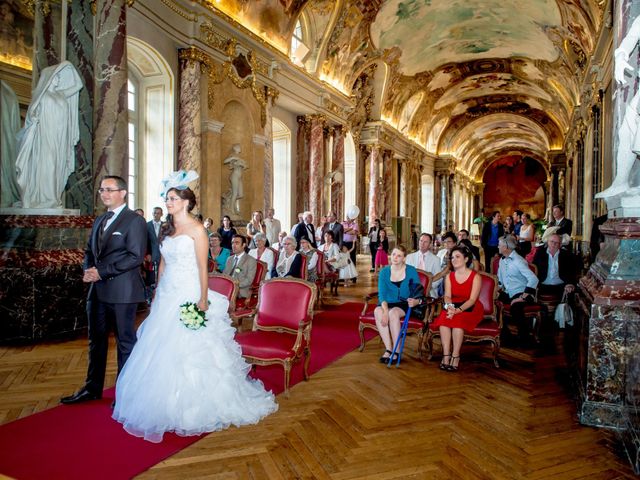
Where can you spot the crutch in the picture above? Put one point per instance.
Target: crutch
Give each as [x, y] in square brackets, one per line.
[400, 341]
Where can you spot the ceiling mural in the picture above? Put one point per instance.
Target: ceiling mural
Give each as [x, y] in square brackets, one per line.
[472, 79]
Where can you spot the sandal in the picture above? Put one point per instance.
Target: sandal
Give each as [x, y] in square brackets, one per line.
[452, 367]
[443, 365]
[384, 359]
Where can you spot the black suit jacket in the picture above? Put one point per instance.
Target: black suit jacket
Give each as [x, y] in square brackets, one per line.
[567, 267]
[152, 243]
[486, 232]
[338, 232]
[565, 226]
[118, 258]
[302, 232]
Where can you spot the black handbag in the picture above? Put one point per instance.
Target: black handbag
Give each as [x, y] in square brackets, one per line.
[420, 310]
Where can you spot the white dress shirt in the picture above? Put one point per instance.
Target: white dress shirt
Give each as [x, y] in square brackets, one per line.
[553, 273]
[116, 212]
[430, 264]
[515, 276]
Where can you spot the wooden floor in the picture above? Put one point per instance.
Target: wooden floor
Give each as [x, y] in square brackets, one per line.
[357, 419]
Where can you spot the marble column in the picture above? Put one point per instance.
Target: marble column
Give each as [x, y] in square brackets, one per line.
[267, 187]
[46, 41]
[387, 185]
[189, 130]
[372, 163]
[337, 188]
[110, 144]
[302, 165]
[316, 165]
[403, 189]
[80, 53]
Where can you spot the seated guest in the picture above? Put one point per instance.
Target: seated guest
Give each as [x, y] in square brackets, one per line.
[461, 311]
[464, 235]
[448, 242]
[217, 253]
[280, 245]
[395, 285]
[424, 259]
[312, 259]
[329, 249]
[289, 260]
[517, 281]
[241, 266]
[556, 268]
[262, 253]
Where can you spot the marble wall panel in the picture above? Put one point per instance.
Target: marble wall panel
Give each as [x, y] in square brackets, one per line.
[17, 298]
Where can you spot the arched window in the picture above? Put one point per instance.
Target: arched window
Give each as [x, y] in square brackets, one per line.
[282, 173]
[349, 171]
[132, 105]
[427, 204]
[299, 49]
[151, 123]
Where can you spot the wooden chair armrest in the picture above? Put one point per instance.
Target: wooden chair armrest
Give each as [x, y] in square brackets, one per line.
[367, 300]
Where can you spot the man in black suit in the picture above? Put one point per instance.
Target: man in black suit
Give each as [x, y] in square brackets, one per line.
[305, 229]
[335, 227]
[492, 231]
[565, 225]
[153, 247]
[112, 261]
[556, 268]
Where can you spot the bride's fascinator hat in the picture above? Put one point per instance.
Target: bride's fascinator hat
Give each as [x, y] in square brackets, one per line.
[179, 180]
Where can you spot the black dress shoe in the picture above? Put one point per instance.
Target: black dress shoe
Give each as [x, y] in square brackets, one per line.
[82, 395]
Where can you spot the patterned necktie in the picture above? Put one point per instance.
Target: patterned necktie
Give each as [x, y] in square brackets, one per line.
[103, 227]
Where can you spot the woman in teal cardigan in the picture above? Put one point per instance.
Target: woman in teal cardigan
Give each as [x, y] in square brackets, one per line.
[394, 288]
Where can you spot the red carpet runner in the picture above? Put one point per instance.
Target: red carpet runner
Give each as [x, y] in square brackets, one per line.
[82, 441]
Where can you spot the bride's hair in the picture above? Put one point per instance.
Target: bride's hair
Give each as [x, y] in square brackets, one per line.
[168, 228]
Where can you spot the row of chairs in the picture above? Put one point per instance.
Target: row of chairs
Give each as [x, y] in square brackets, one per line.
[281, 322]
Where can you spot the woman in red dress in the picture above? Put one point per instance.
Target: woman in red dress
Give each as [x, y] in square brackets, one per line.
[461, 311]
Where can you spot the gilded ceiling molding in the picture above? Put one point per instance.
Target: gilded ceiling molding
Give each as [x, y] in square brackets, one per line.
[45, 6]
[230, 69]
[188, 15]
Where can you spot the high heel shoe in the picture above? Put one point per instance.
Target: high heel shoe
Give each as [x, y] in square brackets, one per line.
[384, 359]
[445, 365]
[452, 367]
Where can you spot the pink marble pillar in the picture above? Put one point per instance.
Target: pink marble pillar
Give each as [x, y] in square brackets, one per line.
[267, 189]
[189, 130]
[302, 165]
[316, 165]
[110, 142]
[387, 193]
[337, 189]
[372, 164]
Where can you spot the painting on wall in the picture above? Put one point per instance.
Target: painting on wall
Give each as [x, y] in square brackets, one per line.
[16, 39]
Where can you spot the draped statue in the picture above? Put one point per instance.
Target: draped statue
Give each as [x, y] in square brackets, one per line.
[46, 144]
[231, 199]
[10, 109]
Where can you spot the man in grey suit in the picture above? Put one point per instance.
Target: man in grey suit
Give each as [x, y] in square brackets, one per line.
[241, 266]
[335, 227]
[112, 261]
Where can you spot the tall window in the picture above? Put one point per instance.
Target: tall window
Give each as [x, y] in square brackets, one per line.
[597, 205]
[349, 172]
[298, 48]
[580, 187]
[282, 173]
[132, 180]
[427, 204]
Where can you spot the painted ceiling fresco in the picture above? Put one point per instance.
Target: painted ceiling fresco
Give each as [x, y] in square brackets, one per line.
[471, 79]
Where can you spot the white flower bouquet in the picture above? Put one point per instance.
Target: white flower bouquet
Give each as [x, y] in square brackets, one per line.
[191, 316]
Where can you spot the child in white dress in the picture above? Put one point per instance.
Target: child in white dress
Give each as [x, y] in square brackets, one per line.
[347, 269]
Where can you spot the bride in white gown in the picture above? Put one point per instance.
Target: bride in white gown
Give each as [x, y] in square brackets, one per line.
[181, 380]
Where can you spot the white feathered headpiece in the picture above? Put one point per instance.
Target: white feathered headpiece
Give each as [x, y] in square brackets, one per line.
[179, 180]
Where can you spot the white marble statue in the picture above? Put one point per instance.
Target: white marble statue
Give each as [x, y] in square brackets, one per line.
[10, 110]
[46, 144]
[628, 132]
[237, 165]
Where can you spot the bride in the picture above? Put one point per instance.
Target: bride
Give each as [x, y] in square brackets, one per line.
[177, 379]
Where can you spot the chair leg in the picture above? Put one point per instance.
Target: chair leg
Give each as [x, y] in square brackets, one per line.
[496, 350]
[361, 332]
[430, 344]
[287, 372]
[307, 360]
[420, 336]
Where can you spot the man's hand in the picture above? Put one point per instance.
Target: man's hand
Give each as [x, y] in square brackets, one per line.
[91, 275]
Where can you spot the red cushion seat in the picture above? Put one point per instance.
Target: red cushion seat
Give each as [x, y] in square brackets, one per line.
[267, 344]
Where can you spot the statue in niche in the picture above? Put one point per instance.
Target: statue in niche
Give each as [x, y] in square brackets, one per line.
[10, 110]
[628, 131]
[46, 144]
[231, 199]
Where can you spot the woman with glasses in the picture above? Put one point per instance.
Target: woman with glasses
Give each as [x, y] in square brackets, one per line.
[289, 260]
[262, 252]
[217, 253]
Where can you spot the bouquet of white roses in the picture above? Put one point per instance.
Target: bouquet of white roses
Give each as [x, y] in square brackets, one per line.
[192, 317]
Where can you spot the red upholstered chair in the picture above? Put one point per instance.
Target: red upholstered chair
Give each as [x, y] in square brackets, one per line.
[282, 326]
[367, 319]
[211, 266]
[246, 307]
[303, 267]
[227, 286]
[326, 275]
[488, 330]
[275, 255]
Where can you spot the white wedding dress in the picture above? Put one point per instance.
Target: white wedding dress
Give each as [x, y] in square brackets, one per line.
[186, 381]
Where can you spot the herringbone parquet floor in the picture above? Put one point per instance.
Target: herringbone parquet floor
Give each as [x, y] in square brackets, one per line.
[357, 419]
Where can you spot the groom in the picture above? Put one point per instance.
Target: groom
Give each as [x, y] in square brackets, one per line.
[112, 261]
